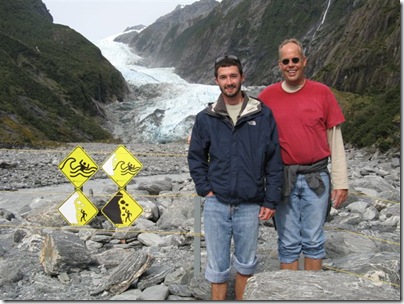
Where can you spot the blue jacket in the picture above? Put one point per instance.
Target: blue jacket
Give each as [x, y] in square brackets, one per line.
[240, 163]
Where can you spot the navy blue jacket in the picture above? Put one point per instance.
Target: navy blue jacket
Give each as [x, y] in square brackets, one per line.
[240, 163]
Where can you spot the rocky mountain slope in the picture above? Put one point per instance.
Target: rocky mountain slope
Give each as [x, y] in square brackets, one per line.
[53, 81]
[352, 45]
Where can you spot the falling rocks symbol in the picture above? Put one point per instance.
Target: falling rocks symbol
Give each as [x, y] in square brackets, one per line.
[122, 210]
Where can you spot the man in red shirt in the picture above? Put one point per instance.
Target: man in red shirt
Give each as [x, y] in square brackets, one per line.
[308, 118]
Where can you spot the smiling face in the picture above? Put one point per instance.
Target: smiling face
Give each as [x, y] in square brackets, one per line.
[292, 63]
[229, 80]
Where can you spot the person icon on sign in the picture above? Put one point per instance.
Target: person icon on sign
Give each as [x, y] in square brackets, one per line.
[128, 215]
[83, 215]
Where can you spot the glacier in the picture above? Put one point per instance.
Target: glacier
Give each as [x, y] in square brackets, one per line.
[162, 107]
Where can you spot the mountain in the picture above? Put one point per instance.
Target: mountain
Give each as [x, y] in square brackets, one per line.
[57, 86]
[354, 46]
[351, 45]
[53, 82]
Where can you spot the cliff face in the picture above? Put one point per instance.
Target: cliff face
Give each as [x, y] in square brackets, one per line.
[53, 81]
[364, 48]
[352, 45]
[169, 34]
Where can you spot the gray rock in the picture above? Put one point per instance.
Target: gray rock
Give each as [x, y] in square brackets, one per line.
[359, 207]
[178, 298]
[9, 273]
[131, 268]
[382, 268]
[157, 293]
[394, 209]
[342, 243]
[370, 214]
[125, 233]
[180, 290]
[6, 214]
[113, 257]
[64, 252]
[360, 243]
[315, 285]
[150, 210]
[179, 276]
[200, 288]
[154, 275]
[152, 240]
[180, 210]
[156, 187]
[129, 295]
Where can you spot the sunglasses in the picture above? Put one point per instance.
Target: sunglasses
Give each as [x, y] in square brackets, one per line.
[225, 57]
[294, 60]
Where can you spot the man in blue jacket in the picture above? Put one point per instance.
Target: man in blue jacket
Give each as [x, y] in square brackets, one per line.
[235, 162]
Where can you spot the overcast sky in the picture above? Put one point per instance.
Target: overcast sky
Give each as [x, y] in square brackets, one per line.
[96, 20]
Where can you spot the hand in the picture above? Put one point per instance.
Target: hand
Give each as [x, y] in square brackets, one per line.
[266, 213]
[210, 194]
[338, 196]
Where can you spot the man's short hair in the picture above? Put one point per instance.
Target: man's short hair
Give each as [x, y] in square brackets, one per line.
[226, 61]
[291, 40]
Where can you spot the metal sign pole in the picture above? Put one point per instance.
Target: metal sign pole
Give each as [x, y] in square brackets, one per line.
[197, 235]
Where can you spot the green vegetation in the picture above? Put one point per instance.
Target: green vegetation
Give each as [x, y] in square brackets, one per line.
[372, 120]
[52, 79]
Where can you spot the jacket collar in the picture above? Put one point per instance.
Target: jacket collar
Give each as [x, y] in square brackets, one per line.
[250, 106]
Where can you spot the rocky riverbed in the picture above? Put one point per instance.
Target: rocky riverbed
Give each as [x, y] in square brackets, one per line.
[157, 258]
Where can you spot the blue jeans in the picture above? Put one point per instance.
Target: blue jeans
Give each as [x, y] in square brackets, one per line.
[300, 222]
[223, 222]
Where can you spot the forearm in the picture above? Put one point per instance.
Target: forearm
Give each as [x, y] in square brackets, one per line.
[339, 170]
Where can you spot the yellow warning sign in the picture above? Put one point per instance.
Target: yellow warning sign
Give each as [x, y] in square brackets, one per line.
[78, 210]
[122, 210]
[122, 166]
[78, 167]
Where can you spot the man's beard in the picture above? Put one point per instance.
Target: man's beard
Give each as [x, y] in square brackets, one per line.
[238, 88]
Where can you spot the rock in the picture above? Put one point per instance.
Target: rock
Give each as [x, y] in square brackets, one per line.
[9, 274]
[151, 239]
[310, 285]
[129, 295]
[64, 252]
[156, 293]
[179, 277]
[180, 290]
[156, 187]
[6, 214]
[200, 288]
[359, 207]
[130, 268]
[362, 237]
[382, 268]
[154, 275]
[113, 257]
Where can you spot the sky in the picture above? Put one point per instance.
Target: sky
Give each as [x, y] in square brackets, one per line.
[100, 19]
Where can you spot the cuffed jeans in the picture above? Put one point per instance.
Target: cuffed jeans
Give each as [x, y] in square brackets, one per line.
[223, 222]
[300, 221]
